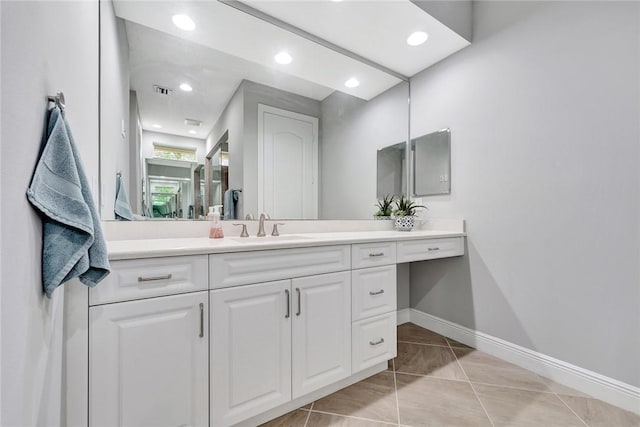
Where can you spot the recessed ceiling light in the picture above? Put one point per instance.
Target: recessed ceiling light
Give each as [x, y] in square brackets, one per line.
[283, 58]
[157, 126]
[417, 38]
[336, 1]
[352, 82]
[183, 22]
[186, 87]
[192, 132]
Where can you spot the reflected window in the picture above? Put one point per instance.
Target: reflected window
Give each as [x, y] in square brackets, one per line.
[174, 153]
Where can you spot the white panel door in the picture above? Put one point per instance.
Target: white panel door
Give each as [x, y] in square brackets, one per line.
[148, 362]
[287, 164]
[250, 350]
[321, 331]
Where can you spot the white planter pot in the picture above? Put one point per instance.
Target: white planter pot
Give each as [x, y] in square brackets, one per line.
[405, 223]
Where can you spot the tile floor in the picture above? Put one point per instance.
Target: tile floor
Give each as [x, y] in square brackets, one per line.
[436, 381]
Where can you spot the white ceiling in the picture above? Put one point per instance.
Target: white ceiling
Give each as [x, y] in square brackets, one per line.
[235, 33]
[157, 58]
[376, 30]
[228, 46]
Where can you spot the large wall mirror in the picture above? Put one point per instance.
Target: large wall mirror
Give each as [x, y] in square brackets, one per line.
[203, 104]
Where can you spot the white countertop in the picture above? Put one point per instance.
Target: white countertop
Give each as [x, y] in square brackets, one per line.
[151, 248]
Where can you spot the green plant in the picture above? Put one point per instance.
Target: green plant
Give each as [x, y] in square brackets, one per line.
[385, 206]
[406, 207]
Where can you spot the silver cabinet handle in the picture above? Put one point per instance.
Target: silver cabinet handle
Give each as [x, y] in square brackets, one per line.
[377, 342]
[286, 292]
[299, 308]
[381, 291]
[377, 254]
[153, 278]
[434, 249]
[201, 320]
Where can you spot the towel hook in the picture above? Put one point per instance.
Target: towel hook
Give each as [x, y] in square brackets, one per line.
[58, 99]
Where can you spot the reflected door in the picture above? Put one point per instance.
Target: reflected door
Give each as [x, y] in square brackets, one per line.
[287, 163]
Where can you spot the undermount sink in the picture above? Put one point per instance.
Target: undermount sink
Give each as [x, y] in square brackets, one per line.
[270, 239]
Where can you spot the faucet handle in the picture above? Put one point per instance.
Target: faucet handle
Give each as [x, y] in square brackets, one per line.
[244, 230]
[275, 228]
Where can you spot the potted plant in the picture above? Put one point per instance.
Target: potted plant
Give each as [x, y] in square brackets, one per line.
[385, 207]
[405, 213]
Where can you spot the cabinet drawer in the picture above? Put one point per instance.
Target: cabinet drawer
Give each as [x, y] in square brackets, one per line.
[144, 278]
[244, 268]
[373, 254]
[373, 291]
[374, 341]
[418, 250]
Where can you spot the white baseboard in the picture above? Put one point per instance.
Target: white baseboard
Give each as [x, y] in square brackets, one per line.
[404, 316]
[599, 386]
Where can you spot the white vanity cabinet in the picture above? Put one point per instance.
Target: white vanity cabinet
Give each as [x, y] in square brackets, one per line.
[226, 337]
[276, 341]
[148, 362]
[149, 344]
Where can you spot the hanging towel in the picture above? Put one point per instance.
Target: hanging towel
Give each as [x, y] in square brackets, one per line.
[230, 200]
[122, 207]
[73, 243]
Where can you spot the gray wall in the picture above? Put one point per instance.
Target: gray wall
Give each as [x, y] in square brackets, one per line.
[544, 109]
[114, 100]
[455, 14]
[352, 131]
[45, 47]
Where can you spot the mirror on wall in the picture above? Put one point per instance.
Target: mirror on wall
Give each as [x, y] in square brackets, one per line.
[392, 175]
[204, 105]
[432, 163]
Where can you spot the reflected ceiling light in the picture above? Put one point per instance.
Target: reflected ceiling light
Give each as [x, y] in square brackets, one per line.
[183, 22]
[283, 58]
[336, 1]
[352, 82]
[186, 87]
[192, 132]
[157, 126]
[417, 38]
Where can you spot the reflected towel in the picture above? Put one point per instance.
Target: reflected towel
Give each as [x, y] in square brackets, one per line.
[122, 207]
[230, 199]
[73, 243]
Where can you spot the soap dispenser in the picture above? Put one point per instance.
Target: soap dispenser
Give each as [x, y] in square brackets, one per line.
[216, 227]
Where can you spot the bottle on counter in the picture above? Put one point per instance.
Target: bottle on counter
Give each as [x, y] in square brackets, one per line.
[215, 232]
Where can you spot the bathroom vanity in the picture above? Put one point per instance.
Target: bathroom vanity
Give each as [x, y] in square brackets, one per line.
[236, 331]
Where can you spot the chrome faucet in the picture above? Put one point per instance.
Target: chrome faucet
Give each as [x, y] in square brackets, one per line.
[261, 232]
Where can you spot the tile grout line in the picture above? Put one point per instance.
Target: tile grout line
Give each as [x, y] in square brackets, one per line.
[395, 387]
[471, 385]
[433, 376]
[353, 417]
[306, 421]
[574, 412]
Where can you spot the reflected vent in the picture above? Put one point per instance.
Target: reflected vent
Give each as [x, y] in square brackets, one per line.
[192, 122]
[162, 90]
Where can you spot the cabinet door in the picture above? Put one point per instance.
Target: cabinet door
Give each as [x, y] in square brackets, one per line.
[321, 331]
[148, 362]
[250, 350]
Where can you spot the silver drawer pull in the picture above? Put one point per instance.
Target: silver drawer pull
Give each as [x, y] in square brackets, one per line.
[381, 291]
[434, 249]
[201, 320]
[286, 293]
[377, 254]
[152, 278]
[377, 342]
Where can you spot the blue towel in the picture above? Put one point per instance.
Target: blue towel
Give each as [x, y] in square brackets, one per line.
[230, 199]
[73, 245]
[122, 208]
